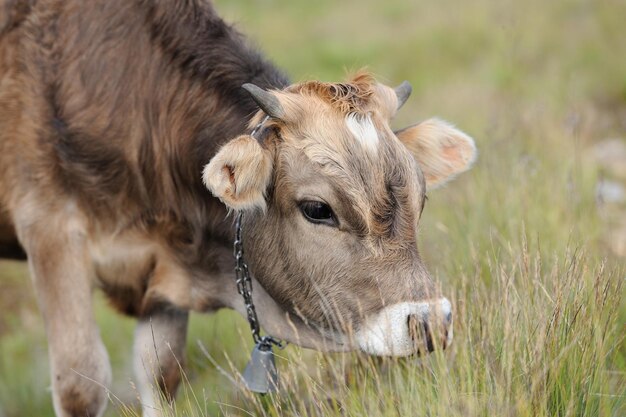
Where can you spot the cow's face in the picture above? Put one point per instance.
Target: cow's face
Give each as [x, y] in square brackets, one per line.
[337, 197]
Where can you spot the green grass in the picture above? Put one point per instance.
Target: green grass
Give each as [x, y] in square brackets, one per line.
[518, 243]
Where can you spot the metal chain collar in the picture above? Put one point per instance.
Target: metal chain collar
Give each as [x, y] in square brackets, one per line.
[244, 287]
[244, 282]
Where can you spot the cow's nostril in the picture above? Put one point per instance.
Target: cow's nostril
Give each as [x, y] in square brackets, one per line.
[428, 337]
[421, 334]
[448, 317]
[414, 324]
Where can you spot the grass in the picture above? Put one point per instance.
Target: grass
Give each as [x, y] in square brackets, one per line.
[518, 243]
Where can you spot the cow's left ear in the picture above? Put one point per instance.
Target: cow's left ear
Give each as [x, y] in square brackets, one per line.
[239, 173]
[441, 150]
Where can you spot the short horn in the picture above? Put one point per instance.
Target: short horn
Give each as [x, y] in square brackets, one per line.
[266, 101]
[403, 91]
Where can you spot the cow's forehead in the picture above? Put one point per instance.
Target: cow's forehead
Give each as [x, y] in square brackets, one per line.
[346, 118]
[368, 167]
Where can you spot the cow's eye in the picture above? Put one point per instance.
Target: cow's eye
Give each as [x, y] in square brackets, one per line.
[318, 212]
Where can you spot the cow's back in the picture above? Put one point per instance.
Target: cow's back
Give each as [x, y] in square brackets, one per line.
[116, 105]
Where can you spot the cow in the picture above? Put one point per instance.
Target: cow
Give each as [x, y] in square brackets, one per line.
[127, 149]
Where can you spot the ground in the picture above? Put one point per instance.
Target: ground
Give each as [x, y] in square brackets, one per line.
[529, 245]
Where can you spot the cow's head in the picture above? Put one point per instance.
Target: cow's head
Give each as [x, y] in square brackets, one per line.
[334, 198]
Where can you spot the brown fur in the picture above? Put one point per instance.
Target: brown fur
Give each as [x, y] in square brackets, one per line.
[352, 96]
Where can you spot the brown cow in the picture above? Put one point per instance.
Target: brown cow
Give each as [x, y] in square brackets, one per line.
[109, 113]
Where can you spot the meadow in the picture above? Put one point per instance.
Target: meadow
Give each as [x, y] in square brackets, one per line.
[529, 251]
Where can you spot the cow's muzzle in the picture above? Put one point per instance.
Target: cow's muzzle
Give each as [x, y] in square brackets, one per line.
[407, 328]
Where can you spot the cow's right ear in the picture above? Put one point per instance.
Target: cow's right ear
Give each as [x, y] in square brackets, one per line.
[239, 174]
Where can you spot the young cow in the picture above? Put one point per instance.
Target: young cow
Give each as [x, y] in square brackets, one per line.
[110, 111]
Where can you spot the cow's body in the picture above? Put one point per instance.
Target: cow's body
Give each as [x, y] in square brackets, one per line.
[110, 110]
[112, 113]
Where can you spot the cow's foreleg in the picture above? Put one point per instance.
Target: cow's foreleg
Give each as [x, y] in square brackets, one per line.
[62, 274]
[158, 357]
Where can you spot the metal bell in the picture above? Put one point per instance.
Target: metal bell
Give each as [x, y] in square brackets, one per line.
[260, 374]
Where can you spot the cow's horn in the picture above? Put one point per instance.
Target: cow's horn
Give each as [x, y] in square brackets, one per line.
[403, 91]
[266, 101]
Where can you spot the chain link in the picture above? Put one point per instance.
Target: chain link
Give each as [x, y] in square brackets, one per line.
[244, 287]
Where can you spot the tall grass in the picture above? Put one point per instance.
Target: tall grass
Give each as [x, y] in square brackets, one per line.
[517, 243]
[539, 340]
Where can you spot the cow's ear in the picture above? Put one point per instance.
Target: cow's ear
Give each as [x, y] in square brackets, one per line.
[239, 173]
[441, 150]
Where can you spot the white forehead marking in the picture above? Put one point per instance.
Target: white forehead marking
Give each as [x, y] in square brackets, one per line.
[363, 129]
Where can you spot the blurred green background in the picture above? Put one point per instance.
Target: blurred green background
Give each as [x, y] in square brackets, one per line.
[540, 85]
